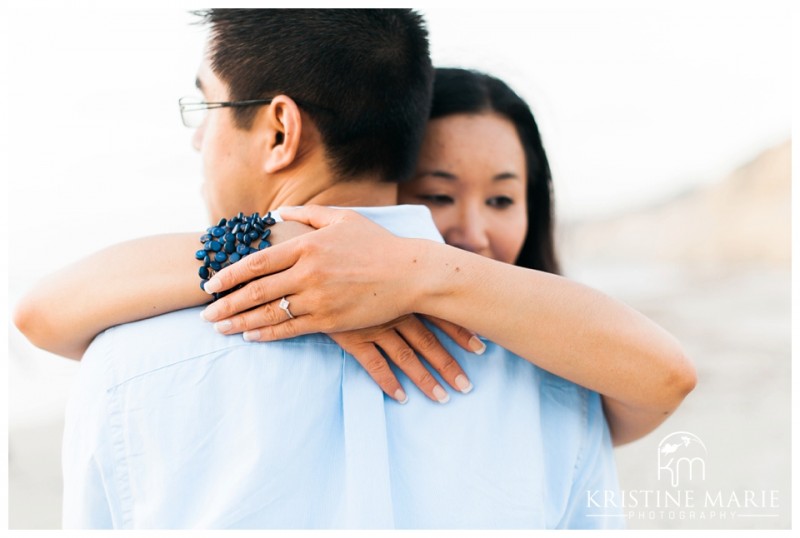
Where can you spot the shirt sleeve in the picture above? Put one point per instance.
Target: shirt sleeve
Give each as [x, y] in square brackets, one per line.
[595, 477]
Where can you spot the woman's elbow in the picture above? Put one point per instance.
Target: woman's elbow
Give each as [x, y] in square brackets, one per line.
[682, 378]
[32, 317]
[24, 316]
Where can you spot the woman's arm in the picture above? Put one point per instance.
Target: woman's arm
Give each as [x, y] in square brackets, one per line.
[150, 276]
[562, 326]
[126, 282]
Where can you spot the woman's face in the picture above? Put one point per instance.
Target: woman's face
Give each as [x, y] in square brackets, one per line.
[472, 175]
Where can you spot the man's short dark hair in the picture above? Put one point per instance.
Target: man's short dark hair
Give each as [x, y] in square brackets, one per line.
[364, 76]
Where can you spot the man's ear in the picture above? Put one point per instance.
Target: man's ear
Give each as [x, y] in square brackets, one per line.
[282, 123]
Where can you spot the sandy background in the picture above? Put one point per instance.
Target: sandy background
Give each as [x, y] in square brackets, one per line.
[712, 266]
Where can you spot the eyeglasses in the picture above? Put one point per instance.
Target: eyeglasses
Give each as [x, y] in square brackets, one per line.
[194, 110]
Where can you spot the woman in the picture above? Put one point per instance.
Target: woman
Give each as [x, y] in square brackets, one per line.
[491, 198]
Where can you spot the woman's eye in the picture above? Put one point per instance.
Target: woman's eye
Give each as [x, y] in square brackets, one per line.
[436, 199]
[499, 202]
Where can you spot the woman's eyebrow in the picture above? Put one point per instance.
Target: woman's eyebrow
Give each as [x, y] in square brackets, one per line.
[440, 174]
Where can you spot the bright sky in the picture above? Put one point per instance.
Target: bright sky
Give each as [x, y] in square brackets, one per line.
[635, 103]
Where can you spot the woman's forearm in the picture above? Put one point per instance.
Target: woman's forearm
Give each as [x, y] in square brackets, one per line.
[564, 327]
[126, 282]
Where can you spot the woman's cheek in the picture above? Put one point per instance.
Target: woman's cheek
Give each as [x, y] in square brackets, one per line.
[509, 231]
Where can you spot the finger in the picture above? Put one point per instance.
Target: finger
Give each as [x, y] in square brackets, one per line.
[261, 316]
[378, 369]
[461, 336]
[404, 357]
[264, 262]
[256, 293]
[314, 215]
[282, 331]
[429, 347]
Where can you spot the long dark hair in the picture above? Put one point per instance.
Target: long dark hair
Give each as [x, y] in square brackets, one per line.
[462, 91]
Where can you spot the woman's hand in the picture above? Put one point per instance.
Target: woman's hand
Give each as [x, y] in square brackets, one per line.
[399, 340]
[342, 280]
[350, 274]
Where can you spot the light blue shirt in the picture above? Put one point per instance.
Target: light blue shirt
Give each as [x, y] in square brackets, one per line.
[172, 425]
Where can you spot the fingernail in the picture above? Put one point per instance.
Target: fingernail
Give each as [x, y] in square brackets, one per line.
[250, 336]
[212, 286]
[476, 345]
[401, 396]
[222, 326]
[441, 396]
[463, 383]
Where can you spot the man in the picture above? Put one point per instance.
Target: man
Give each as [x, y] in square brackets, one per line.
[175, 425]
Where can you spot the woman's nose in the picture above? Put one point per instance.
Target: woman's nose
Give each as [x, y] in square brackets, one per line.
[470, 231]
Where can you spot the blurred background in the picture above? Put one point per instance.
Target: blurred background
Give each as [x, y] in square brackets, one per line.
[669, 132]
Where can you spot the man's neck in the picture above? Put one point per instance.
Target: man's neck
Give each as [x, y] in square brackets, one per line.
[362, 193]
[314, 185]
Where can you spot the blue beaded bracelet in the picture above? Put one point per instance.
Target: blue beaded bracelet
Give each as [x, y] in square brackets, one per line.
[230, 241]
